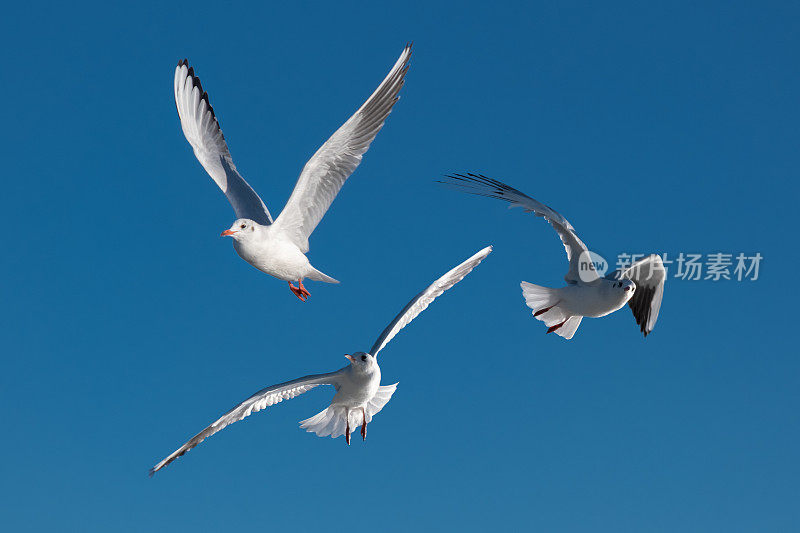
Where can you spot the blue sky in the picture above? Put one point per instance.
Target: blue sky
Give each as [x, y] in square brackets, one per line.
[129, 324]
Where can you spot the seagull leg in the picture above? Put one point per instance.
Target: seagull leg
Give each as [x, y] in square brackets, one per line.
[551, 329]
[364, 425]
[297, 292]
[303, 290]
[546, 309]
[347, 429]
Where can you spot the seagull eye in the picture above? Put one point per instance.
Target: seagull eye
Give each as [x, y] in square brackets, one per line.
[243, 226]
[363, 357]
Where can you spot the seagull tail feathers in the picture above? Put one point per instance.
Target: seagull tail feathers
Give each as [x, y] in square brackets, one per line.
[332, 422]
[544, 303]
[316, 275]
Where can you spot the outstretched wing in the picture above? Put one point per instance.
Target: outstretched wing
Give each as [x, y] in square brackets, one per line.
[649, 276]
[201, 128]
[256, 402]
[422, 300]
[332, 164]
[483, 186]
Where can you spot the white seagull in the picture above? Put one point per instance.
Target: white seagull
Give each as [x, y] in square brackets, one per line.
[359, 393]
[278, 248]
[641, 285]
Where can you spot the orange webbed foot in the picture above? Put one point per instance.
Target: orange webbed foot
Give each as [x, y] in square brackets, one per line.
[302, 294]
[302, 289]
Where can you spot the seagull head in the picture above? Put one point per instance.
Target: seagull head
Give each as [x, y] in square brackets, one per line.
[241, 230]
[361, 360]
[624, 288]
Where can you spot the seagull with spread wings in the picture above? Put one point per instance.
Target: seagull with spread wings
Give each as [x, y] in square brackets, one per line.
[278, 247]
[641, 285]
[359, 393]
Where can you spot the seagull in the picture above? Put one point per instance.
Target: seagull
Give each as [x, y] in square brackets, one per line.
[640, 285]
[359, 393]
[278, 247]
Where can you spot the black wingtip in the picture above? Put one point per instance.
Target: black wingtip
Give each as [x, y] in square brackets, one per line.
[196, 80]
[480, 185]
[203, 94]
[182, 62]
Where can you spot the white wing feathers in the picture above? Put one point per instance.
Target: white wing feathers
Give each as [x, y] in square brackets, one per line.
[332, 164]
[256, 402]
[421, 301]
[649, 276]
[483, 186]
[201, 128]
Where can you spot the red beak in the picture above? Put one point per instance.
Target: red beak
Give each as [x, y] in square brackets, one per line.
[350, 357]
[227, 232]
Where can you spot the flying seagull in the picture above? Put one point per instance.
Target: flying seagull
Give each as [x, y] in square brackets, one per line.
[359, 394]
[278, 247]
[641, 285]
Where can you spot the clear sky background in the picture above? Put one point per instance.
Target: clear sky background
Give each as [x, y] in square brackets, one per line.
[128, 324]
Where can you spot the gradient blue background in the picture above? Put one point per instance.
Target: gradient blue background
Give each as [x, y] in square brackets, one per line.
[128, 324]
